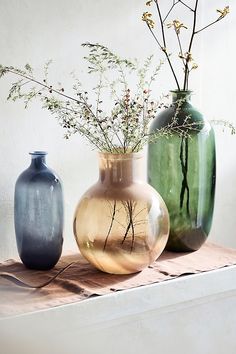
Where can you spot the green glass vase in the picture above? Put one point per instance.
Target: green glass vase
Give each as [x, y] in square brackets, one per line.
[182, 168]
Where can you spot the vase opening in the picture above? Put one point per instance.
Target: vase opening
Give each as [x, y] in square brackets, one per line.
[38, 158]
[38, 153]
[181, 94]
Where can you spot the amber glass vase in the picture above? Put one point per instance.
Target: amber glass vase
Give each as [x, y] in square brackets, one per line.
[121, 223]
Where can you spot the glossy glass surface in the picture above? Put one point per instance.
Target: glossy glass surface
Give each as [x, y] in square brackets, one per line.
[39, 215]
[121, 223]
[182, 170]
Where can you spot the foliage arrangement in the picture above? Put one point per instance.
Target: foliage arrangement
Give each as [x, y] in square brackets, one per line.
[185, 35]
[124, 128]
[185, 55]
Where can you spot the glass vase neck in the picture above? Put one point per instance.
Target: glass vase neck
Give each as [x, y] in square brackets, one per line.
[121, 169]
[38, 159]
[181, 95]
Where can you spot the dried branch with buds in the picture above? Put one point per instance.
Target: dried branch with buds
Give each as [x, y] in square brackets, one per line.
[185, 56]
[125, 127]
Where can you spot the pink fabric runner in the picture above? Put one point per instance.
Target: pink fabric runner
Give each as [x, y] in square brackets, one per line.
[81, 280]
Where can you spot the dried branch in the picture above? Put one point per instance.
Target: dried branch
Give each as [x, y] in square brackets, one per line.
[185, 56]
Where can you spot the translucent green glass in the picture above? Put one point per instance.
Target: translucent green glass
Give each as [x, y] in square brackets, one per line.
[182, 170]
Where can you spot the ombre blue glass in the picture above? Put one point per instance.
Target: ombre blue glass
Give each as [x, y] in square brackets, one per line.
[39, 214]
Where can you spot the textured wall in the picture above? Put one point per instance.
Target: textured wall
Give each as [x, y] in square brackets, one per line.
[34, 31]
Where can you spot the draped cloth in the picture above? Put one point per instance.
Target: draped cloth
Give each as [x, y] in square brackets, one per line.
[81, 280]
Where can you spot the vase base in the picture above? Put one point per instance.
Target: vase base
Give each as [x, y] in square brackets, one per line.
[187, 241]
[38, 266]
[39, 263]
[122, 257]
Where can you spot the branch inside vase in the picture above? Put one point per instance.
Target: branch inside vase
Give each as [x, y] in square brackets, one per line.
[184, 155]
[111, 224]
[130, 207]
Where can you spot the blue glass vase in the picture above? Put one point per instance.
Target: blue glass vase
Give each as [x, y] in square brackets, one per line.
[38, 214]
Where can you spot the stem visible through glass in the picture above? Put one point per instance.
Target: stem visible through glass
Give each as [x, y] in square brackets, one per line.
[130, 207]
[184, 167]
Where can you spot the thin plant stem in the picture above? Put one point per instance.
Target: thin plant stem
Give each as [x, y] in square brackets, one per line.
[186, 71]
[164, 43]
[168, 13]
[183, 3]
[210, 24]
[186, 175]
[86, 132]
[166, 54]
[129, 205]
[45, 86]
[180, 48]
[184, 167]
[83, 102]
[99, 94]
[111, 224]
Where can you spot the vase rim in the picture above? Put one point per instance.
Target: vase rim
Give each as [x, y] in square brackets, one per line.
[121, 156]
[38, 152]
[182, 91]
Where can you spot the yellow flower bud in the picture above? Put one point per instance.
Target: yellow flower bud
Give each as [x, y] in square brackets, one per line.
[223, 12]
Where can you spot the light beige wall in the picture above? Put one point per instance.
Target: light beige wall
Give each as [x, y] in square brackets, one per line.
[35, 31]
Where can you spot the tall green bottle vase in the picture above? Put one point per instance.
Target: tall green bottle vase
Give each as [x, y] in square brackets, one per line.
[182, 168]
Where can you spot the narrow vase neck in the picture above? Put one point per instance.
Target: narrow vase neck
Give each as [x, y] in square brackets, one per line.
[38, 159]
[121, 169]
[181, 95]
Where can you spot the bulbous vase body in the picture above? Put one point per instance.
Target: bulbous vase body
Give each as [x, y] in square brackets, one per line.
[39, 215]
[183, 170]
[121, 223]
